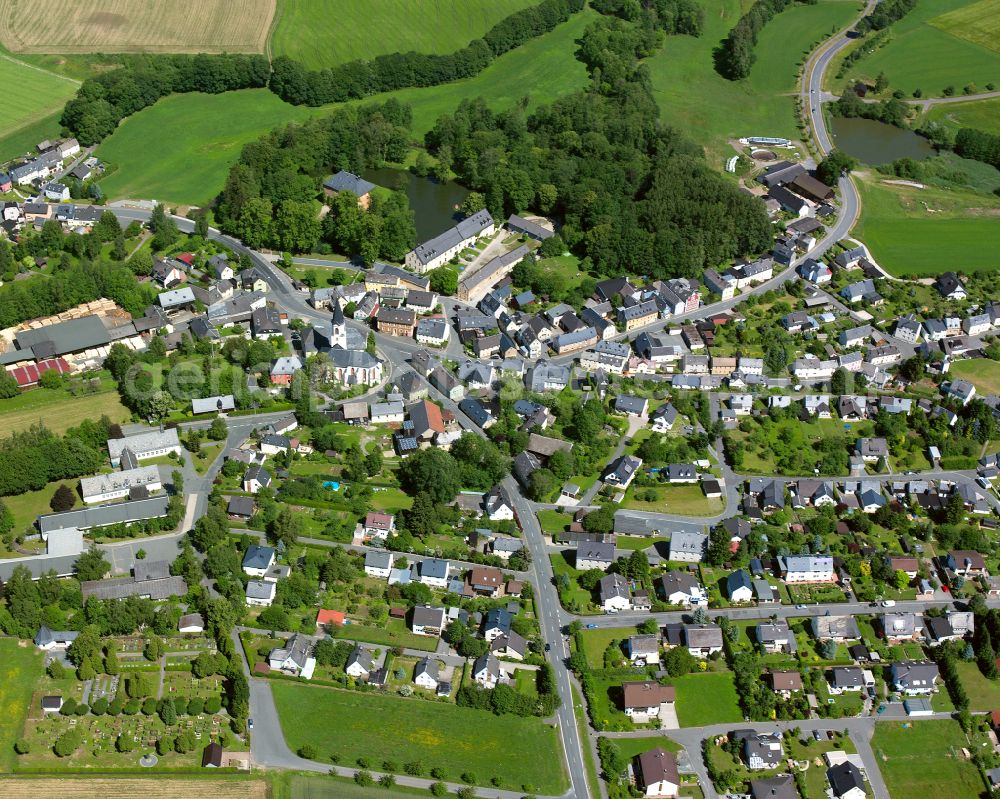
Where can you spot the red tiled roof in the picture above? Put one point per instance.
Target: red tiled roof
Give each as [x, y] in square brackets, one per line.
[29, 375]
[185, 257]
[329, 617]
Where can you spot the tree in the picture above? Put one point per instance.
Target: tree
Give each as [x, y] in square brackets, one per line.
[836, 164]
[444, 280]
[63, 499]
[168, 713]
[185, 742]
[218, 430]
[8, 385]
[67, 743]
[433, 472]
[92, 565]
[21, 746]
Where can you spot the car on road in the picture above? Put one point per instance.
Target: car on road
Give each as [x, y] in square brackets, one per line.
[591, 626]
[250, 724]
[800, 607]
[548, 647]
[983, 482]
[888, 603]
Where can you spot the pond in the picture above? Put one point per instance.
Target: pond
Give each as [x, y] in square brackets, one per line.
[434, 204]
[876, 143]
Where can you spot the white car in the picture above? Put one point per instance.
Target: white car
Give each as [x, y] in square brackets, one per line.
[888, 603]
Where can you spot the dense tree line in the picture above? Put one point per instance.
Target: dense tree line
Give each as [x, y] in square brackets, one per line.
[269, 196]
[104, 100]
[635, 196]
[294, 84]
[735, 55]
[892, 111]
[978, 145]
[32, 458]
[885, 13]
[670, 16]
[66, 288]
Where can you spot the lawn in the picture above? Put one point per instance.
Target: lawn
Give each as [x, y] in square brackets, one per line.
[934, 46]
[983, 373]
[595, 642]
[711, 109]
[704, 699]
[198, 136]
[523, 751]
[30, 95]
[979, 114]
[923, 759]
[983, 694]
[28, 506]
[684, 500]
[58, 409]
[314, 786]
[922, 231]
[309, 33]
[393, 633]
[573, 597]
[19, 669]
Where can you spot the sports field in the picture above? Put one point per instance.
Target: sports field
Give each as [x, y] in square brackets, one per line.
[931, 49]
[711, 109]
[312, 32]
[979, 114]
[30, 95]
[929, 231]
[522, 751]
[196, 137]
[116, 26]
[924, 758]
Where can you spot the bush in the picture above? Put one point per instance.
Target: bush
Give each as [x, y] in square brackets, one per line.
[439, 788]
[132, 707]
[124, 743]
[67, 743]
[21, 746]
[308, 751]
[363, 778]
[213, 704]
[100, 707]
[149, 706]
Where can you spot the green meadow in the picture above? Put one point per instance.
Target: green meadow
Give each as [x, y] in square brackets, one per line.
[196, 137]
[980, 114]
[711, 109]
[928, 231]
[310, 31]
[30, 95]
[930, 49]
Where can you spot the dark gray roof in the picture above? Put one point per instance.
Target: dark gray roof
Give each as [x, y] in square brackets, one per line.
[844, 777]
[533, 229]
[103, 515]
[73, 335]
[348, 181]
[258, 557]
[118, 589]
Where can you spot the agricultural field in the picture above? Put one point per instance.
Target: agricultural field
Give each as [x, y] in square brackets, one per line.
[980, 114]
[115, 26]
[939, 44]
[198, 136]
[316, 786]
[523, 751]
[922, 231]
[236, 786]
[924, 758]
[982, 373]
[307, 31]
[711, 109]
[31, 96]
[19, 667]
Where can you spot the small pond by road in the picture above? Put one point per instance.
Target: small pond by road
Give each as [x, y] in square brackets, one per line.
[876, 143]
[434, 204]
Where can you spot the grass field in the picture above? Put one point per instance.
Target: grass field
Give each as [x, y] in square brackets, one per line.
[982, 373]
[711, 109]
[704, 699]
[595, 642]
[685, 500]
[308, 32]
[524, 752]
[30, 96]
[236, 786]
[983, 694]
[197, 136]
[24, 139]
[115, 26]
[19, 667]
[907, 238]
[314, 786]
[978, 23]
[58, 409]
[923, 759]
[28, 506]
[928, 51]
[980, 114]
